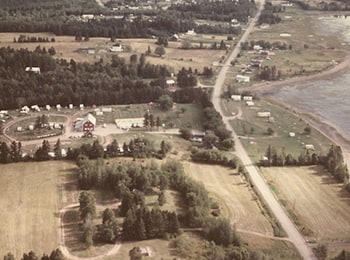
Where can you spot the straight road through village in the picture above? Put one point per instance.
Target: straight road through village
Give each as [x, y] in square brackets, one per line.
[293, 234]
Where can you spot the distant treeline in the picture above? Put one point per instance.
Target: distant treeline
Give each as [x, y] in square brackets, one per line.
[24, 38]
[64, 18]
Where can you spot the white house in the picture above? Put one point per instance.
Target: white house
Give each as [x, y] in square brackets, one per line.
[170, 83]
[249, 103]
[35, 70]
[58, 107]
[70, 106]
[191, 32]
[264, 114]
[35, 108]
[116, 48]
[236, 97]
[25, 110]
[81, 106]
[309, 147]
[242, 78]
[48, 107]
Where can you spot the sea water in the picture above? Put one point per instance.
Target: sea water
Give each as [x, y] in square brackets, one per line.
[328, 99]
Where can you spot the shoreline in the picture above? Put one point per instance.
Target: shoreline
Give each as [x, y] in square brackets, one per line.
[332, 132]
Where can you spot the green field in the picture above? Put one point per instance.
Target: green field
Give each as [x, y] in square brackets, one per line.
[30, 198]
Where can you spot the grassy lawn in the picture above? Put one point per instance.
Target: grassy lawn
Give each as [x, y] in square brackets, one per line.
[317, 204]
[253, 129]
[181, 115]
[30, 199]
[237, 201]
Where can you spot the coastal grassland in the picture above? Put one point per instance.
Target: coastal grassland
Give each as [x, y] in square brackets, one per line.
[316, 202]
[283, 123]
[237, 200]
[30, 199]
[311, 51]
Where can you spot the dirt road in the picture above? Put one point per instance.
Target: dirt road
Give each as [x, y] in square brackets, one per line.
[293, 234]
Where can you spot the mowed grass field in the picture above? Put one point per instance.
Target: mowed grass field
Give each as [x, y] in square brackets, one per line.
[237, 201]
[320, 206]
[30, 199]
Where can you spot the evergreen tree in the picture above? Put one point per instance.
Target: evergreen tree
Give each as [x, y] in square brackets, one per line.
[58, 150]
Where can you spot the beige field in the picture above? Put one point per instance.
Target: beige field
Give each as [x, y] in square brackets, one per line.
[30, 200]
[67, 48]
[237, 201]
[320, 205]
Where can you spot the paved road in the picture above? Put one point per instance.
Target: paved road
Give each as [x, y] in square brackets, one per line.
[293, 234]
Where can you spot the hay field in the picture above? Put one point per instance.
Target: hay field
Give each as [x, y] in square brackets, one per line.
[319, 204]
[67, 48]
[237, 201]
[30, 201]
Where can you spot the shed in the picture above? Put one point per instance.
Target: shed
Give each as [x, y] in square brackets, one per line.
[34, 70]
[247, 98]
[35, 108]
[106, 109]
[264, 114]
[236, 97]
[31, 127]
[309, 147]
[19, 129]
[242, 78]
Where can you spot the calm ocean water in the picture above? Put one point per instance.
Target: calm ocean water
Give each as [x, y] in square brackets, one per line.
[328, 99]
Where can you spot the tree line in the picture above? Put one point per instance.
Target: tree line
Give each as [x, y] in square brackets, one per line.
[64, 18]
[55, 255]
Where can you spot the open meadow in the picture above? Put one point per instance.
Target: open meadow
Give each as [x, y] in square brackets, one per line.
[67, 48]
[237, 200]
[30, 199]
[315, 201]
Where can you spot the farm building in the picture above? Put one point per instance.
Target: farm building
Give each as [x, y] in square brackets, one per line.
[106, 109]
[88, 123]
[25, 110]
[309, 147]
[242, 78]
[35, 108]
[247, 98]
[170, 83]
[116, 48]
[236, 97]
[127, 123]
[35, 70]
[264, 114]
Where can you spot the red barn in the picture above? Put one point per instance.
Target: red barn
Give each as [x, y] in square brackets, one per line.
[87, 124]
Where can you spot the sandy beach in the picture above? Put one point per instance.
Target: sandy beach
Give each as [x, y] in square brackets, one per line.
[325, 127]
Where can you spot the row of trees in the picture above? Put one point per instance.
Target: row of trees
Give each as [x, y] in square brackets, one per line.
[55, 255]
[265, 45]
[267, 15]
[212, 157]
[24, 38]
[62, 82]
[64, 18]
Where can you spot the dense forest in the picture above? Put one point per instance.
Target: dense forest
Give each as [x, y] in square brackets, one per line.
[65, 18]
